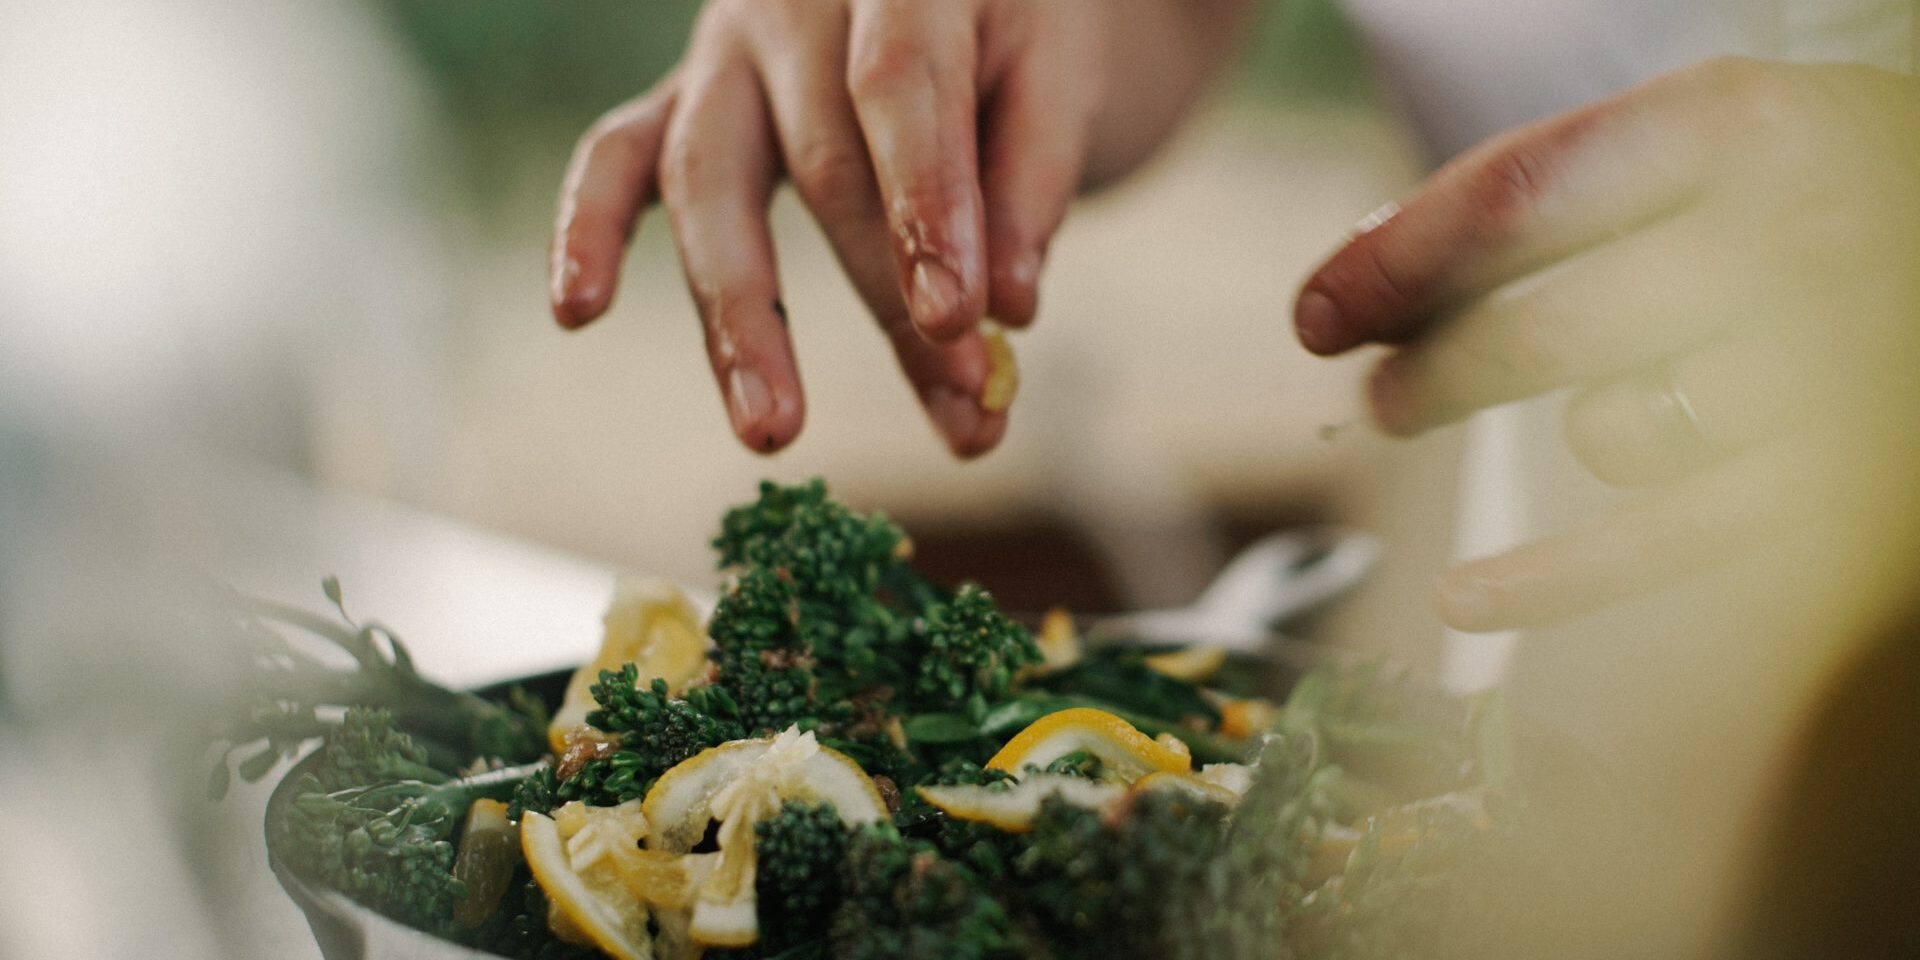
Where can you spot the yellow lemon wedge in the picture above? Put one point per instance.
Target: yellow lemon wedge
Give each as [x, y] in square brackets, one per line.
[588, 900]
[1123, 751]
[650, 624]
[1241, 719]
[1187, 785]
[1192, 664]
[1012, 808]
[1058, 640]
[1003, 372]
[1235, 778]
[488, 854]
[738, 784]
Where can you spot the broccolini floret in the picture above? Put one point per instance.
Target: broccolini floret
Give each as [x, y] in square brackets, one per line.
[650, 733]
[368, 748]
[968, 650]
[905, 901]
[824, 624]
[834, 554]
[296, 692]
[1108, 884]
[388, 842]
[1259, 864]
[766, 663]
[796, 880]
[660, 730]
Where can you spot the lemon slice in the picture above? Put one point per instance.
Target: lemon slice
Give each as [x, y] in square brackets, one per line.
[1188, 785]
[589, 902]
[1241, 719]
[1003, 372]
[1013, 808]
[1234, 778]
[650, 624]
[1192, 664]
[739, 784]
[1123, 751]
[489, 852]
[1059, 642]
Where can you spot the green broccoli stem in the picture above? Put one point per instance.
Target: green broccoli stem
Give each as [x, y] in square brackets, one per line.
[450, 796]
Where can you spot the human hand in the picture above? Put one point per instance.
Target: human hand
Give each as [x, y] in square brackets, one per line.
[1724, 265]
[937, 144]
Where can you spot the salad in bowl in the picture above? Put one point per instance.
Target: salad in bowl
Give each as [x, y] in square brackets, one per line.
[846, 760]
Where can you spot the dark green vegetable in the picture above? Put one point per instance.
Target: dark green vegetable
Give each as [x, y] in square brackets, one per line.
[295, 691]
[825, 625]
[905, 901]
[796, 881]
[967, 651]
[386, 842]
[1118, 884]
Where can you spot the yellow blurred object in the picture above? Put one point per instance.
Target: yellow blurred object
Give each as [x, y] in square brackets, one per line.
[650, 624]
[1241, 719]
[739, 784]
[1012, 808]
[1059, 642]
[1003, 373]
[1193, 664]
[1124, 752]
[1187, 784]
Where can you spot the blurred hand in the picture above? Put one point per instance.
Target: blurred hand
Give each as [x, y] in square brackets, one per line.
[1724, 266]
[937, 144]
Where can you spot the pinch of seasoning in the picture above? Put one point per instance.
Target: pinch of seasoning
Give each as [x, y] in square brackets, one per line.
[1003, 373]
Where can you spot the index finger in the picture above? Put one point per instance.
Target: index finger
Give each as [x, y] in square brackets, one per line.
[1515, 203]
[910, 73]
[610, 179]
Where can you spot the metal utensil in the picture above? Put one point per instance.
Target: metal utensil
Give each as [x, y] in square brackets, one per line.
[1276, 578]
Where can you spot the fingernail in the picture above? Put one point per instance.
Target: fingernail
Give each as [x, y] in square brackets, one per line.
[936, 294]
[1316, 320]
[956, 414]
[749, 398]
[1025, 268]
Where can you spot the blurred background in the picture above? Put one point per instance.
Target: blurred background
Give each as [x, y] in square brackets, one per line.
[313, 238]
[272, 307]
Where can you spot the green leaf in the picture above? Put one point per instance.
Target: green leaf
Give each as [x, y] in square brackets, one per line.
[941, 728]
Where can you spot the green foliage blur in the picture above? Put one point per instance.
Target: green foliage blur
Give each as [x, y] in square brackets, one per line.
[515, 81]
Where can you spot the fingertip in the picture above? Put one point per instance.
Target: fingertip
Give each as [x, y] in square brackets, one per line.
[1318, 323]
[1465, 601]
[987, 436]
[582, 306]
[968, 430]
[1014, 299]
[576, 295]
[765, 418]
